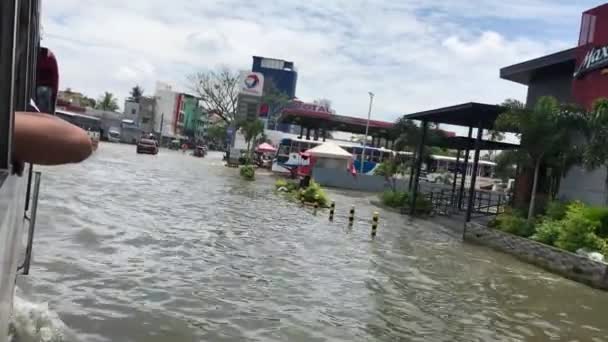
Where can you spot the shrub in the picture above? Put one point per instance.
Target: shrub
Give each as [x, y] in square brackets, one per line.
[423, 205]
[579, 230]
[395, 199]
[511, 222]
[284, 183]
[314, 193]
[248, 172]
[599, 214]
[281, 183]
[548, 231]
[556, 210]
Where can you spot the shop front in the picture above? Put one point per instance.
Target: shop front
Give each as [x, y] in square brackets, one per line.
[578, 75]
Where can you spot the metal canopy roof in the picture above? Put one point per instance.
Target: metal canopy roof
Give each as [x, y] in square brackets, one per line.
[470, 114]
[314, 119]
[562, 61]
[464, 143]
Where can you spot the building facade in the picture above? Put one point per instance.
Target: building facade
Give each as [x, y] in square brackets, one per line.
[278, 73]
[147, 108]
[166, 111]
[578, 75]
[131, 110]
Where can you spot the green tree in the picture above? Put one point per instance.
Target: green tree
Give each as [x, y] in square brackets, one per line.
[217, 133]
[545, 133]
[275, 100]
[252, 129]
[107, 102]
[595, 152]
[505, 164]
[136, 93]
[88, 102]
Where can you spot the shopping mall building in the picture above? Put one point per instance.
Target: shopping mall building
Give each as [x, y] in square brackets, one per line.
[576, 75]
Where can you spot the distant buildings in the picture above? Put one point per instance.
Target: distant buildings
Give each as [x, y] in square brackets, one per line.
[281, 76]
[177, 115]
[278, 73]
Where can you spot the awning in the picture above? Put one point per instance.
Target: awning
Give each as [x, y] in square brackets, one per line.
[265, 148]
[329, 150]
[464, 143]
[470, 114]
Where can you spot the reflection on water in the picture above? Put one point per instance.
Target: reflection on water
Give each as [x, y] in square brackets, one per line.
[174, 248]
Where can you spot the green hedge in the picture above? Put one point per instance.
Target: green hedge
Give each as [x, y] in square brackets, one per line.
[569, 226]
[284, 183]
[395, 199]
[401, 199]
[248, 172]
[313, 193]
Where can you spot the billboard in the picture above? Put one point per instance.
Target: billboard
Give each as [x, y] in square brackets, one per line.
[251, 83]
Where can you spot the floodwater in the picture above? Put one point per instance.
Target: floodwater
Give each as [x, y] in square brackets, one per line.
[175, 248]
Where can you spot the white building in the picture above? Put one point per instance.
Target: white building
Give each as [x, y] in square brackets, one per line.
[132, 110]
[166, 111]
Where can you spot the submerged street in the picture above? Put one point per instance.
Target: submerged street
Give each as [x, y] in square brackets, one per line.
[175, 248]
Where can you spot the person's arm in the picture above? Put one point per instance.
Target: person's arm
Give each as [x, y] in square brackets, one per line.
[47, 140]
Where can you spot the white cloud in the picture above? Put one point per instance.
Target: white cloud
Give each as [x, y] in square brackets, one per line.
[413, 55]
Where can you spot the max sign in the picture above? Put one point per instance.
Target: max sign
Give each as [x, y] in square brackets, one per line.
[595, 58]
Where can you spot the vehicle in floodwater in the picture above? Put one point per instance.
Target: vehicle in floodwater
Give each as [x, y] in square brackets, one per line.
[148, 146]
[29, 74]
[200, 151]
[114, 135]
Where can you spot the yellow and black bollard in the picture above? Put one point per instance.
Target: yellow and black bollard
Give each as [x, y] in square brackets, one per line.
[351, 216]
[316, 204]
[374, 224]
[302, 196]
[332, 208]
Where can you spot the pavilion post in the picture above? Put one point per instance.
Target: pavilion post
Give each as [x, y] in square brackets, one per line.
[301, 132]
[418, 166]
[323, 133]
[464, 172]
[316, 134]
[474, 174]
[455, 177]
[307, 133]
[412, 169]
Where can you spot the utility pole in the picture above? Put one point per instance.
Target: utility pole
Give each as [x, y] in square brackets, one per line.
[369, 114]
[160, 134]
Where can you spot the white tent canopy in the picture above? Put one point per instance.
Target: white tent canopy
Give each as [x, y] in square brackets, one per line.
[329, 150]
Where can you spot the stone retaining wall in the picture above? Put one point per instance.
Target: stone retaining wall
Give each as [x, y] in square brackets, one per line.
[569, 265]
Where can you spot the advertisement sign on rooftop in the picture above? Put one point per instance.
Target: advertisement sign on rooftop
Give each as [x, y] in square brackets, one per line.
[251, 83]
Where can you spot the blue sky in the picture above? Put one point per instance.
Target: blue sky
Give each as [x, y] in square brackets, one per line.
[413, 54]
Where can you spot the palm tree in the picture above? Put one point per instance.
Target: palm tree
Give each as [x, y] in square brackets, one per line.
[136, 93]
[545, 133]
[595, 153]
[107, 102]
[252, 129]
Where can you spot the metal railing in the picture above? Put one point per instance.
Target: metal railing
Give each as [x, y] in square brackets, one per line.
[485, 203]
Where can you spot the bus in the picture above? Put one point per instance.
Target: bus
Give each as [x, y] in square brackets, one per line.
[90, 124]
[290, 147]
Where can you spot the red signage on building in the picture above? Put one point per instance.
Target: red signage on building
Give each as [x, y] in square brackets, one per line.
[591, 75]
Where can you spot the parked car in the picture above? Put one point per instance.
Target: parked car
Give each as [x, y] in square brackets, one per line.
[147, 146]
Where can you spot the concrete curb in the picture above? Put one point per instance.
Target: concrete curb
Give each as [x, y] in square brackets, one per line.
[567, 264]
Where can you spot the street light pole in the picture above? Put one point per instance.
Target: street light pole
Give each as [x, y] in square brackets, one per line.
[369, 114]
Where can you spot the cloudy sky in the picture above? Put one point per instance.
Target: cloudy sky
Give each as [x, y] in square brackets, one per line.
[413, 54]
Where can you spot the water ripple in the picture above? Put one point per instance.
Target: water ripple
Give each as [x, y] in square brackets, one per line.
[175, 248]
